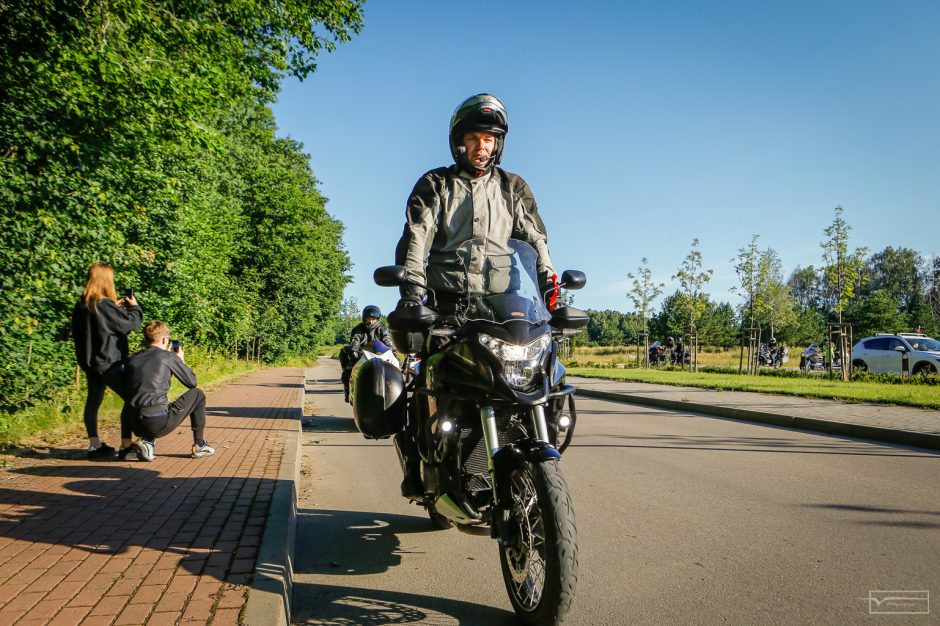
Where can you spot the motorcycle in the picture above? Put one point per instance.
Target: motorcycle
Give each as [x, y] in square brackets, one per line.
[657, 354]
[768, 356]
[680, 356]
[492, 415]
[813, 360]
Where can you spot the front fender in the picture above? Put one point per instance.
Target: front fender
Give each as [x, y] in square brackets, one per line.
[512, 456]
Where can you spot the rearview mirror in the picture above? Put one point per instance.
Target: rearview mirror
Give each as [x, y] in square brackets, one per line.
[900, 349]
[573, 279]
[390, 276]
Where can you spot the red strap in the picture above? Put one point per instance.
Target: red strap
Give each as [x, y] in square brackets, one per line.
[553, 300]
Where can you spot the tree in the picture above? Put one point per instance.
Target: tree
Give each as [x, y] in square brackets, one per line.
[644, 292]
[778, 307]
[804, 284]
[843, 270]
[901, 272]
[691, 278]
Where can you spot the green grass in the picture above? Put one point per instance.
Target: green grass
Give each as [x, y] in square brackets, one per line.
[811, 385]
[61, 416]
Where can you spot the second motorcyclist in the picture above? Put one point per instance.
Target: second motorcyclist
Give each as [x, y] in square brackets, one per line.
[473, 198]
[368, 335]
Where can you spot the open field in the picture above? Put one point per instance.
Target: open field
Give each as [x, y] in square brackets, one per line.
[810, 385]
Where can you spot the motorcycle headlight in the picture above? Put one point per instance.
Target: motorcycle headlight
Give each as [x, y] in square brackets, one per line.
[520, 363]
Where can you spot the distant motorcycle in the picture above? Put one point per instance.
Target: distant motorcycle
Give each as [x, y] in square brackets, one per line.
[812, 359]
[657, 354]
[772, 356]
[680, 356]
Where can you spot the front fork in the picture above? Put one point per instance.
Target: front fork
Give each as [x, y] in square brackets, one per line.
[509, 457]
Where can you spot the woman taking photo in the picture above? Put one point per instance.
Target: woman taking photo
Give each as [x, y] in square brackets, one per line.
[100, 325]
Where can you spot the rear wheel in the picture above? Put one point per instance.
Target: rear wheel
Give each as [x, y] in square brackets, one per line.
[860, 365]
[540, 564]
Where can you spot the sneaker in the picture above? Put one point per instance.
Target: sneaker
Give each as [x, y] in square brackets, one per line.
[104, 451]
[146, 450]
[131, 449]
[200, 451]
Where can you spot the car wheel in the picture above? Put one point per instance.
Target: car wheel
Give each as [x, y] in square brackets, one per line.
[925, 369]
[860, 365]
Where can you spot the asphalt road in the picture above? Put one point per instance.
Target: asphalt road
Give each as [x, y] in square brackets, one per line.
[681, 519]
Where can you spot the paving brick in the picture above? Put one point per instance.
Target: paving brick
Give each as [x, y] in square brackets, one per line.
[110, 605]
[134, 614]
[172, 601]
[226, 617]
[70, 616]
[148, 594]
[164, 618]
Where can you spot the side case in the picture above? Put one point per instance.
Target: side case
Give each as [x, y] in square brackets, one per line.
[377, 393]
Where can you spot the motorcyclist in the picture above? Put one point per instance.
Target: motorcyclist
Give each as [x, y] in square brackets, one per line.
[368, 335]
[471, 199]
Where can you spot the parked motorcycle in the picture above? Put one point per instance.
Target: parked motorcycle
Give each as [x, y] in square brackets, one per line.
[772, 356]
[812, 359]
[657, 353]
[680, 356]
[491, 414]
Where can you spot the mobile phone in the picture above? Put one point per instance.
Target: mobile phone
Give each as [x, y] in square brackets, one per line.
[129, 293]
[175, 345]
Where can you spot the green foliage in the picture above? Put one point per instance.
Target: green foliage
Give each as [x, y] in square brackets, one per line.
[611, 328]
[843, 270]
[137, 132]
[690, 298]
[644, 292]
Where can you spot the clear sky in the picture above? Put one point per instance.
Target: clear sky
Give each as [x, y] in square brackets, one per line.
[640, 126]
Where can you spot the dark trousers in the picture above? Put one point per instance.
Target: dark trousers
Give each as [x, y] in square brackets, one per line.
[97, 384]
[191, 404]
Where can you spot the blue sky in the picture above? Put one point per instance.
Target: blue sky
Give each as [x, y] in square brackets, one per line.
[640, 126]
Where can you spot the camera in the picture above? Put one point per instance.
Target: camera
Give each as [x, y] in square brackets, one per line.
[175, 345]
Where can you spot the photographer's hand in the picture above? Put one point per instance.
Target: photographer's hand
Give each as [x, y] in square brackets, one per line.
[181, 354]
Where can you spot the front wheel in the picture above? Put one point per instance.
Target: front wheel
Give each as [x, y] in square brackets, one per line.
[540, 562]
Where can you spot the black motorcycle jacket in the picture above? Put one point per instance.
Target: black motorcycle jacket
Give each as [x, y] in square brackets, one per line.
[449, 207]
[148, 377]
[362, 336]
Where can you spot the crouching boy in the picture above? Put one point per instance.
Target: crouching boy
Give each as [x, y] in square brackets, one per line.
[148, 376]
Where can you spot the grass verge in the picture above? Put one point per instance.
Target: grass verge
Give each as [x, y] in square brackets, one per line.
[810, 386]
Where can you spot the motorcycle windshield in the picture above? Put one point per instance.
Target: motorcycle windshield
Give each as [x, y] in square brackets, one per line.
[502, 281]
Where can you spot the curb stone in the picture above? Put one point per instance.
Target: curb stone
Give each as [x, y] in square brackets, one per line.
[270, 594]
[888, 435]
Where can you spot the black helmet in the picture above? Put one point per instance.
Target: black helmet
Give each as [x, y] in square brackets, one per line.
[773, 341]
[670, 341]
[371, 311]
[482, 112]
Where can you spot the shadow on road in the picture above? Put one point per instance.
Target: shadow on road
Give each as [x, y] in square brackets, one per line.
[329, 605]
[357, 543]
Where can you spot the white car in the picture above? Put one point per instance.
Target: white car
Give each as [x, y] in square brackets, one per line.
[884, 353]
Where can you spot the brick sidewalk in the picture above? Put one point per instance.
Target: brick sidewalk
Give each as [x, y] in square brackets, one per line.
[898, 424]
[172, 541]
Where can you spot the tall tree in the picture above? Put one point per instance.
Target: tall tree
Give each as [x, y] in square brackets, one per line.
[691, 279]
[843, 269]
[804, 284]
[644, 292]
[902, 273]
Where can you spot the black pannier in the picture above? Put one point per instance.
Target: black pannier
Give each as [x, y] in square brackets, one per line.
[377, 393]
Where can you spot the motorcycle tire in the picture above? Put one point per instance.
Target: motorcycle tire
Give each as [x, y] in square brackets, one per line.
[540, 566]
